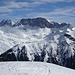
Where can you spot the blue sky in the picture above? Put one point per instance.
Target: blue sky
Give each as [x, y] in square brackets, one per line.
[56, 10]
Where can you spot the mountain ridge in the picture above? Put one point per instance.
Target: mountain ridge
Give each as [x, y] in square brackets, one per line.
[39, 21]
[25, 42]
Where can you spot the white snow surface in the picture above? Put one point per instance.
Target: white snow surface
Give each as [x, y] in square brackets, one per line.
[33, 68]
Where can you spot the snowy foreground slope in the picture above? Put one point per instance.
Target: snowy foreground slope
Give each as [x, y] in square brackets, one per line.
[33, 68]
[37, 40]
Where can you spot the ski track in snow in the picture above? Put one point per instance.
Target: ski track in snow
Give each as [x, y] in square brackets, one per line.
[33, 68]
[21, 69]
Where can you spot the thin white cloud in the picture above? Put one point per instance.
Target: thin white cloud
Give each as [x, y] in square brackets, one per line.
[3, 15]
[5, 9]
[53, 1]
[59, 15]
[11, 5]
[69, 11]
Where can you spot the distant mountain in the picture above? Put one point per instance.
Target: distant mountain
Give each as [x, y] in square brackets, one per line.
[40, 22]
[6, 22]
[38, 39]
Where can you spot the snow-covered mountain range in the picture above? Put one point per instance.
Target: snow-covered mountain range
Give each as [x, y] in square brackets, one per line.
[37, 39]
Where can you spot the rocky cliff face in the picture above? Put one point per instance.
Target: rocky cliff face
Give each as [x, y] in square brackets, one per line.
[62, 57]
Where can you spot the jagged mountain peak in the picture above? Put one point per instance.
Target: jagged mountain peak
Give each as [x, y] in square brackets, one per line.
[7, 22]
[40, 22]
[35, 19]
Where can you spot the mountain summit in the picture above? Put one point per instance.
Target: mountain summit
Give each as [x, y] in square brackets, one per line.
[6, 22]
[40, 22]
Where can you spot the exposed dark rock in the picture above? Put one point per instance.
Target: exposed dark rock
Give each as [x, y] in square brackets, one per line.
[40, 22]
[70, 37]
[6, 22]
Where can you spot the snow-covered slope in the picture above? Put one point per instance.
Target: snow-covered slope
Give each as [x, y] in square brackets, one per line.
[33, 68]
[38, 40]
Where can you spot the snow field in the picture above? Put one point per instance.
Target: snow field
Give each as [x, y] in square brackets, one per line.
[33, 68]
